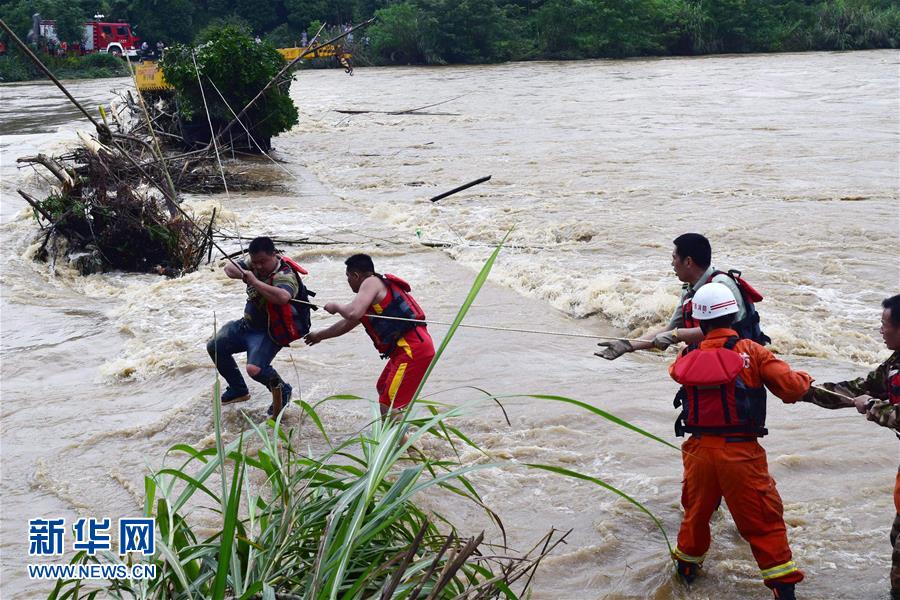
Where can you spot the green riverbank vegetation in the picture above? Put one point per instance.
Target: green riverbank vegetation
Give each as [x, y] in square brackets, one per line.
[487, 31]
[15, 66]
[474, 31]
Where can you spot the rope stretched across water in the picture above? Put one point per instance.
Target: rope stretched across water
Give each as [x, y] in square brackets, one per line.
[832, 392]
[494, 327]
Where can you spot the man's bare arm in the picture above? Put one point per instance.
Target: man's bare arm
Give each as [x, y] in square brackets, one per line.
[357, 308]
[332, 331]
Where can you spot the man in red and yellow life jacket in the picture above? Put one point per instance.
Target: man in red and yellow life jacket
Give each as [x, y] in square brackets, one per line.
[271, 322]
[877, 395]
[406, 344]
[692, 263]
[723, 401]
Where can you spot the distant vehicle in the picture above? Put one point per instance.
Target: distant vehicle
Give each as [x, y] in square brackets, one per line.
[100, 36]
[114, 38]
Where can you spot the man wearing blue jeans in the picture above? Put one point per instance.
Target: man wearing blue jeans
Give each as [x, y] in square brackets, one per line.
[271, 321]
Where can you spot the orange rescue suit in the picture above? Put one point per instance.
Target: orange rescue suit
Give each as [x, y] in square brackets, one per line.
[734, 467]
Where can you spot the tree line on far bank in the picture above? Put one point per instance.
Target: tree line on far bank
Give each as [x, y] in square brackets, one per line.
[484, 31]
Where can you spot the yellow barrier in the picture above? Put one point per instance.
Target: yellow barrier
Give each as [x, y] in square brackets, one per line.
[150, 78]
[324, 51]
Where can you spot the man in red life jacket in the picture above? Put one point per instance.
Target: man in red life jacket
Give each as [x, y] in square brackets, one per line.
[723, 400]
[271, 322]
[692, 262]
[877, 395]
[405, 343]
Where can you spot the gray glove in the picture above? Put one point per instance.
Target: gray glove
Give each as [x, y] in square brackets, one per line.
[665, 339]
[613, 350]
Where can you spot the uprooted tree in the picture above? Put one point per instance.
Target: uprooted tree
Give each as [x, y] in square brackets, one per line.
[104, 215]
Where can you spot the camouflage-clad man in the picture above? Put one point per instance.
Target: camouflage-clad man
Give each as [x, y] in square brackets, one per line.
[271, 322]
[877, 395]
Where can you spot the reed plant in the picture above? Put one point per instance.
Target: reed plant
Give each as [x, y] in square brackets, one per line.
[341, 524]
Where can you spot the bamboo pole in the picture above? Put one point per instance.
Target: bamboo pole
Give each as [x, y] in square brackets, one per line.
[465, 186]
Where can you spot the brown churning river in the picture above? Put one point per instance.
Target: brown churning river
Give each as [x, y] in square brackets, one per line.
[789, 163]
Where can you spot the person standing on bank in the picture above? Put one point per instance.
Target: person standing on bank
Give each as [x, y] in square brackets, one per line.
[271, 322]
[692, 262]
[406, 344]
[877, 395]
[723, 401]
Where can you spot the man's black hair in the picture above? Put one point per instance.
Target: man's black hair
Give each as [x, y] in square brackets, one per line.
[360, 263]
[893, 304]
[723, 322]
[261, 244]
[696, 246]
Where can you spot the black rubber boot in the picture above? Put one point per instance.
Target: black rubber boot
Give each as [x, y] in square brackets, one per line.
[784, 591]
[687, 571]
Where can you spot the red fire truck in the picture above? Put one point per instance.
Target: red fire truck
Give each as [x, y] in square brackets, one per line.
[115, 38]
[100, 36]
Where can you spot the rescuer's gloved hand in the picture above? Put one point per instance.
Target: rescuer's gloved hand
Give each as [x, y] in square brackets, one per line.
[613, 350]
[665, 339]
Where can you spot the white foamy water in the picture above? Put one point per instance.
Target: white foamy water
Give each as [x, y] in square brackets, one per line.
[789, 163]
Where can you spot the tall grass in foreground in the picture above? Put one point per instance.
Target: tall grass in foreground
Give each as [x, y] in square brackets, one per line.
[343, 524]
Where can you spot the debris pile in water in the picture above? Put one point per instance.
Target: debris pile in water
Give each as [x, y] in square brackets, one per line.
[104, 215]
[114, 203]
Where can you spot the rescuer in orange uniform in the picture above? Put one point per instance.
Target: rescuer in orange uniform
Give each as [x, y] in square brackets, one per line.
[723, 401]
[399, 338]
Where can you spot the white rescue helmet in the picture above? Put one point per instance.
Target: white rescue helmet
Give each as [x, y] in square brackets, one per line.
[713, 300]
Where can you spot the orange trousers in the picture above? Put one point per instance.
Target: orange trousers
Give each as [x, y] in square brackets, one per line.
[715, 468]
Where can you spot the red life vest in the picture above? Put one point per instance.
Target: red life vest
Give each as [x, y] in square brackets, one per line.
[397, 302]
[289, 321]
[746, 328]
[713, 396]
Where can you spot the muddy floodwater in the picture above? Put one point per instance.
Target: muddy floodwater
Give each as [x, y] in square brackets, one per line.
[788, 163]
